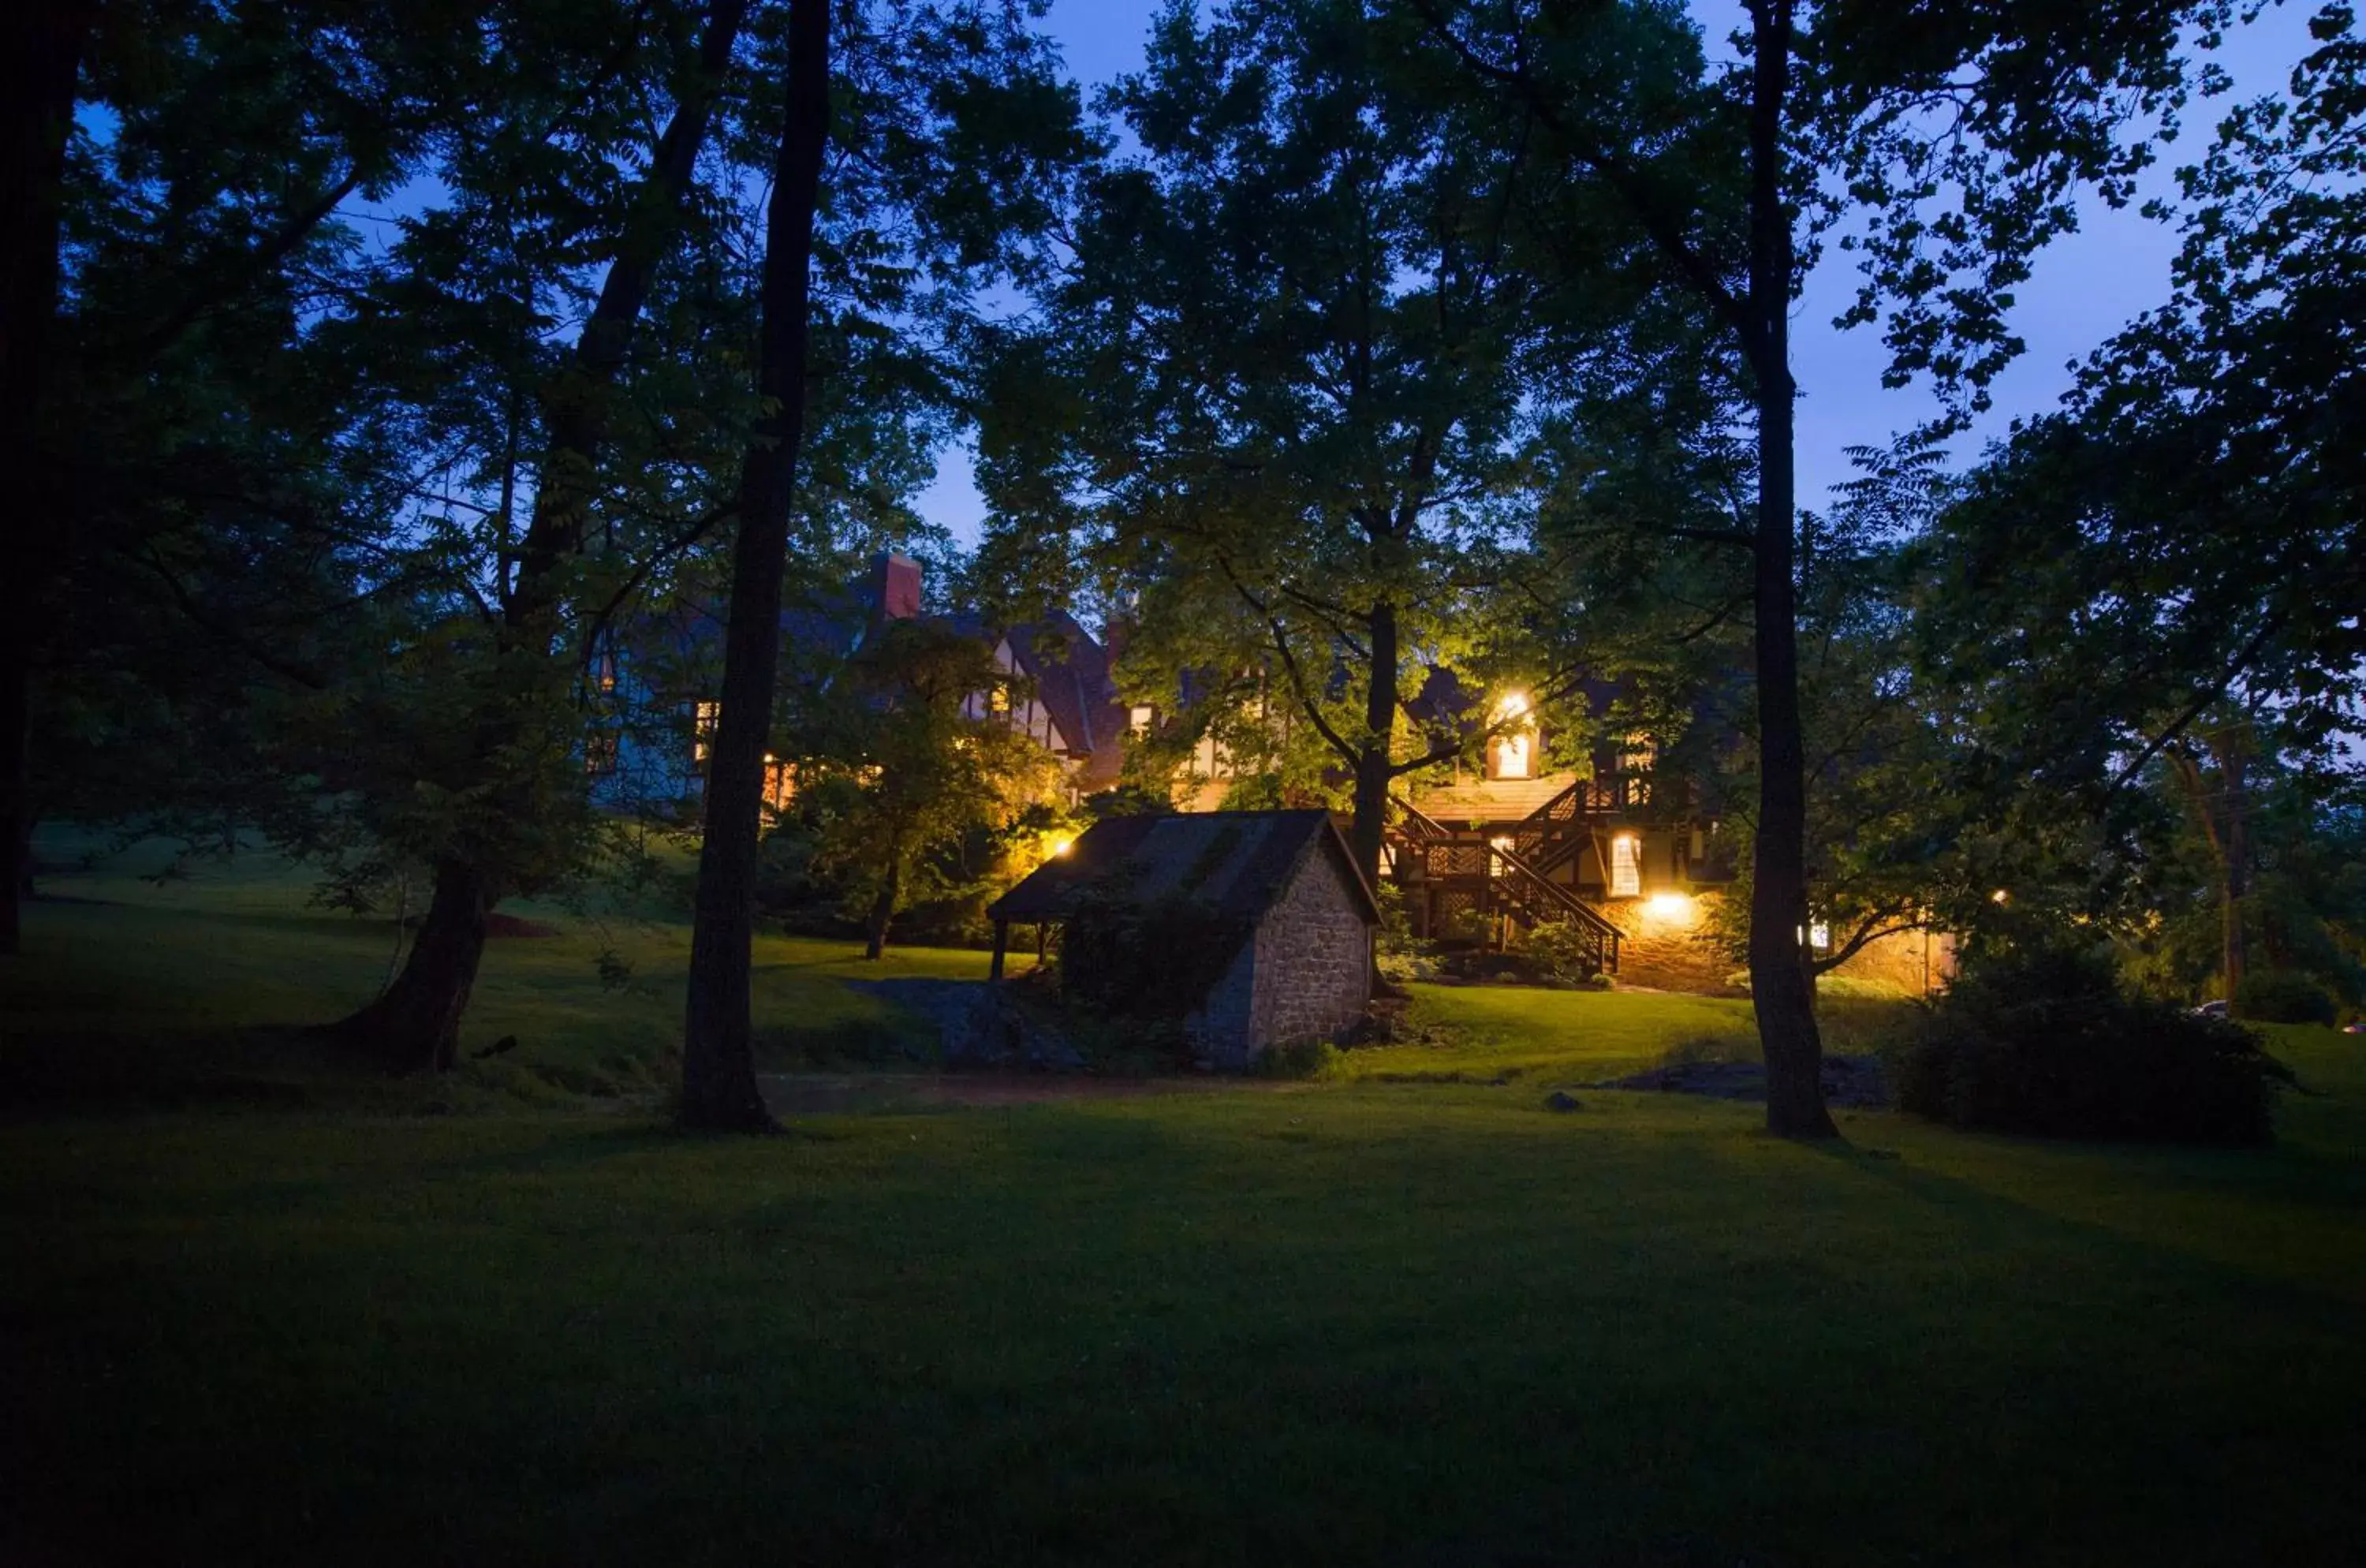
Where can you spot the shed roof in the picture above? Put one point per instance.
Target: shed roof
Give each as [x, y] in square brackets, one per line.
[1239, 861]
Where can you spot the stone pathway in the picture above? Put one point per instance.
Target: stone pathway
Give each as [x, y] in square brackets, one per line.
[1850, 1082]
[821, 1094]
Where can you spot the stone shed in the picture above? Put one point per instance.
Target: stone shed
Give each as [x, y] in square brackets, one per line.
[1282, 885]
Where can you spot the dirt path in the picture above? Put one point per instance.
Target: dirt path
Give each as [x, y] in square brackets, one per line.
[815, 1094]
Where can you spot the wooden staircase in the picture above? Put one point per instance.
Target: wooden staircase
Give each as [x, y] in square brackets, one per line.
[1515, 880]
[1528, 896]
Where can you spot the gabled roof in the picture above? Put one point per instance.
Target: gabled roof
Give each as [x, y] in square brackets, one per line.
[1070, 670]
[1237, 861]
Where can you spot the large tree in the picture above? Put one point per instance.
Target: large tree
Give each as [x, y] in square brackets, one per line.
[514, 759]
[1295, 396]
[718, 1075]
[1953, 139]
[174, 174]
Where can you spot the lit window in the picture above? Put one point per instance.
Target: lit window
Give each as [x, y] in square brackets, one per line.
[1635, 760]
[599, 753]
[997, 698]
[1625, 866]
[1138, 719]
[779, 783]
[705, 717]
[1511, 754]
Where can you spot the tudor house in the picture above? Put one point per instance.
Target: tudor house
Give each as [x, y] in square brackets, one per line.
[651, 690]
[1478, 852]
[1617, 851]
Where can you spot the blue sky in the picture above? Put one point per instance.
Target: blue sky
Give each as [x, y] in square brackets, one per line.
[2085, 287]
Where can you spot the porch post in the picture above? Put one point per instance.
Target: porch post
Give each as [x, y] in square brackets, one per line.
[1001, 946]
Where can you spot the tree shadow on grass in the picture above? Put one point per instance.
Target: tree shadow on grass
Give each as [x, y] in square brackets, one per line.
[2151, 1232]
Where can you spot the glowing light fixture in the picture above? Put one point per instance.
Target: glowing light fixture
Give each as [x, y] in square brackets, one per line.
[1512, 705]
[1999, 896]
[1062, 846]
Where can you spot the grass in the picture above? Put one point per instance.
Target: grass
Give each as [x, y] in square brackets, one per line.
[193, 987]
[1483, 1034]
[1361, 1321]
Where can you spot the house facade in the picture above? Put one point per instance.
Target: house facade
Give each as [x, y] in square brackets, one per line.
[652, 691]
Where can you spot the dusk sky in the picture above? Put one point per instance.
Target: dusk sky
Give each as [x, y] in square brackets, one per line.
[2085, 287]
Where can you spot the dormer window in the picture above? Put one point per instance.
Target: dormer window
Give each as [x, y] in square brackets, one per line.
[1512, 749]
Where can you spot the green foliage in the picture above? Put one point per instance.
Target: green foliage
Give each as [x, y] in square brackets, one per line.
[1561, 949]
[1396, 953]
[1281, 401]
[2041, 1039]
[1299, 1060]
[905, 797]
[2279, 996]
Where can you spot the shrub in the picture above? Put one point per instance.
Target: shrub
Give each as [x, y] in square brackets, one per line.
[2280, 995]
[1562, 950]
[1296, 1059]
[2045, 1041]
[1396, 953]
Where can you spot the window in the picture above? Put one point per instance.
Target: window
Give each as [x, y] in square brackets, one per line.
[600, 750]
[779, 783]
[997, 698]
[704, 716]
[1512, 756]
[1635, 761]
[1138, 719]
[1512, 751]
[1625, 866]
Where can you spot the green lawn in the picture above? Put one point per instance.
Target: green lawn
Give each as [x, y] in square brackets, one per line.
[1407, 1322]
[193, 984]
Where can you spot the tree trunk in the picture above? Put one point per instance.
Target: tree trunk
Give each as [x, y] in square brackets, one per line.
[415, 1026]
[2224, 817]
[1373, 772]
[2234, 854]
[718, 1065]
[1778, 901]
[16, 771]
[43, 44]
[882, 915]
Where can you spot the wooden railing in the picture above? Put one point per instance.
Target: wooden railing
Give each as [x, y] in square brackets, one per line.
[1516, 879]
[1538, 900]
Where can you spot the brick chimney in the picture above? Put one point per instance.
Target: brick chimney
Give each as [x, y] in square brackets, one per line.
[895, 588]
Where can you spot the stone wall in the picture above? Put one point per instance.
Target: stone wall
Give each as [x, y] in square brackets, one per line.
[1666, 948]
[1902, 960]
[1314, 958]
